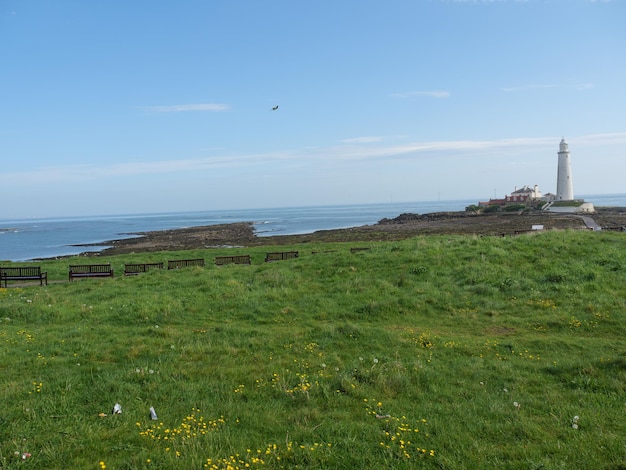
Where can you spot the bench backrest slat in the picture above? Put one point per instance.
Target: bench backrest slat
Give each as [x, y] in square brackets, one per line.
[136, 268]
[185, 263]
[90, 268]
[235, 259]
[281, 255]
[20, 271]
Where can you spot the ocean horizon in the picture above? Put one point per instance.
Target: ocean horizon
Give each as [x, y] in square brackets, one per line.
[38, 238]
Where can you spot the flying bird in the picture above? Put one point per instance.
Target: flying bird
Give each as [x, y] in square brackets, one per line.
[275, 108]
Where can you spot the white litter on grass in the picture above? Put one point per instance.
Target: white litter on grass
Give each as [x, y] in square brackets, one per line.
[117, 409]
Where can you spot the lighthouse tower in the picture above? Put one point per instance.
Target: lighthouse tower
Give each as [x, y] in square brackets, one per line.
[564, 188]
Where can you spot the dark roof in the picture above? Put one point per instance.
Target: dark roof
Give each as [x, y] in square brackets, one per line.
[525, 189]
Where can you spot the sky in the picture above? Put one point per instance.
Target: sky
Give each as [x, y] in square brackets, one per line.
[151, 106]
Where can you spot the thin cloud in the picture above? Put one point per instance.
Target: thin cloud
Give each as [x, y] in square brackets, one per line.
[455, 148]
[350, 152]
[451, 149]
[428, 94]
[599, 139]
[180, 108]
[91, 171]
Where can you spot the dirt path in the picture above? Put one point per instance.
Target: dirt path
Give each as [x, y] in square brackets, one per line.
[590, 223]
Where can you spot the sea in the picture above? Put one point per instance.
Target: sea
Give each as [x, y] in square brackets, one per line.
[42, 238]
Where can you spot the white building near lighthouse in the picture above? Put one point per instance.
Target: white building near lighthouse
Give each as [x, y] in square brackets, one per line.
[562, 201]
[564, 186]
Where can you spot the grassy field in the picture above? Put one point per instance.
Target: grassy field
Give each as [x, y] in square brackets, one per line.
[434, 352]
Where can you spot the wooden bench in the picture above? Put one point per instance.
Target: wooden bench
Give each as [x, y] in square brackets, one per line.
[23, 273]
[132, 269]
[280, 255]
[90, 270]
[235, 259]
[185, 263]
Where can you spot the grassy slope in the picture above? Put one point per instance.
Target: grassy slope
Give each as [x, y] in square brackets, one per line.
[439, 352]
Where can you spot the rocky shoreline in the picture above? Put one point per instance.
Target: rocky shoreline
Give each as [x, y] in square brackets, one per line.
[401, 227]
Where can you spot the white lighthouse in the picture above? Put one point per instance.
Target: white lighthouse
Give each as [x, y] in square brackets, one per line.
[564, 187]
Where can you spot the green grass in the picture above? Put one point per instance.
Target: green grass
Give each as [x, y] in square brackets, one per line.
[434, 352]
[567, 203]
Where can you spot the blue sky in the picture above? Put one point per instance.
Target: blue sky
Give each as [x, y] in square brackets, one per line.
[157, 106]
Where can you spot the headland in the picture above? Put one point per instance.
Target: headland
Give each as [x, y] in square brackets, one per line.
[404, 226]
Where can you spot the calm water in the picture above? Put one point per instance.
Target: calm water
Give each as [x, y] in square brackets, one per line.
[22, 240]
